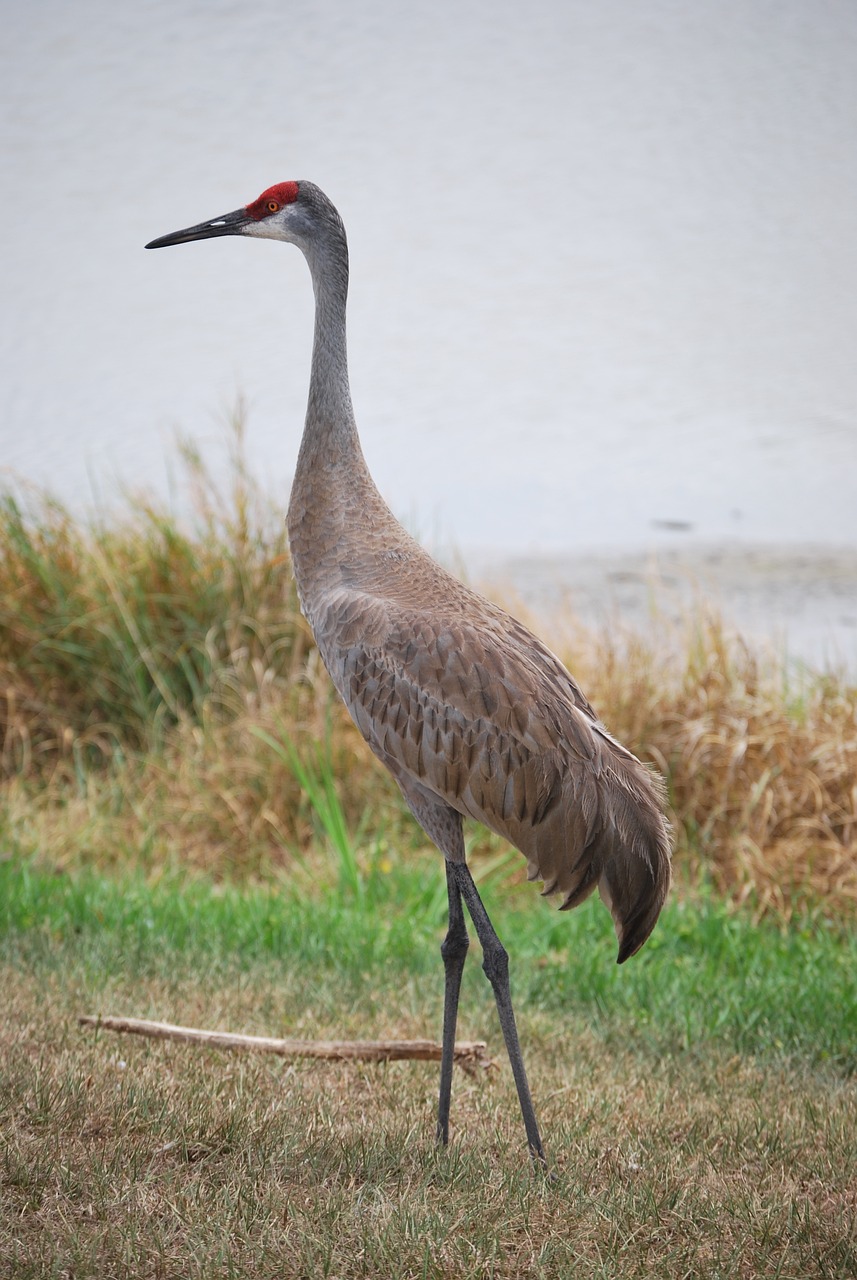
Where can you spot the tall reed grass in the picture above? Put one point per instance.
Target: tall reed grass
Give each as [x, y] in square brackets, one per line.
[161, 700]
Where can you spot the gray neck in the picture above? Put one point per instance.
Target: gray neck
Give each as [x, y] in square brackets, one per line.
[338, 522]
[330, 432]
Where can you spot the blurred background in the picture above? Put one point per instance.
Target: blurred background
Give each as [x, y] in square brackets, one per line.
[604, 276]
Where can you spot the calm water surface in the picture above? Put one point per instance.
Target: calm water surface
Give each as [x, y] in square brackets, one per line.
[604, 257]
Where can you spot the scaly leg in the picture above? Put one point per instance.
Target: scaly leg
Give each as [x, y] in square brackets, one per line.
[496, 965]
[454, 952]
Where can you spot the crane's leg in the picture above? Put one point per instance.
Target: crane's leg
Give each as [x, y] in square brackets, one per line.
[454, 952]
[496, 965]
[442, 824]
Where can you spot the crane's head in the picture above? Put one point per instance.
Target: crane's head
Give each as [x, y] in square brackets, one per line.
[291, 211]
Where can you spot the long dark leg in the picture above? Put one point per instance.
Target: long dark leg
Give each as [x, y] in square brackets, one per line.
[454, 952]
[496, 965]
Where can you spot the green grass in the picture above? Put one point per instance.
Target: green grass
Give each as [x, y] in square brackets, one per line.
[709, 975]
[698, 1103]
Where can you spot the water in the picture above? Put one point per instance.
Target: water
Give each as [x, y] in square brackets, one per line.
[604, 285]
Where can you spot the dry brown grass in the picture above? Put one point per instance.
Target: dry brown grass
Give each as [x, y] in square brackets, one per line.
[127, 1158]
[761, 763]
[763, 787]
[138, 663]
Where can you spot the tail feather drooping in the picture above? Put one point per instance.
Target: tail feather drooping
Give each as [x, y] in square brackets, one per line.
[609, 833]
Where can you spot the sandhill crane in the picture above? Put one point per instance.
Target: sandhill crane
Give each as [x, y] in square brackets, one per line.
[471, 713]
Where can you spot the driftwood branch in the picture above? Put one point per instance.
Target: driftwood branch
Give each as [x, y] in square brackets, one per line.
[469, 1054]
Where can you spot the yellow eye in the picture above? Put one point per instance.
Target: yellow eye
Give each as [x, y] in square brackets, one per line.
[273, 207]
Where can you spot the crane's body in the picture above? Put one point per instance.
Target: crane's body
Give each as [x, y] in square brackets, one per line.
[469, 711]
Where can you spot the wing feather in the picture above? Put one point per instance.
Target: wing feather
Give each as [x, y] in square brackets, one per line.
[484, 717]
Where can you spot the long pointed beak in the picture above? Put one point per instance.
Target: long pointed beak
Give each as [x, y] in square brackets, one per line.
[231, 224]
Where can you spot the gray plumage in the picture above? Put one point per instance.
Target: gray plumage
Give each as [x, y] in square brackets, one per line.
[471, 713]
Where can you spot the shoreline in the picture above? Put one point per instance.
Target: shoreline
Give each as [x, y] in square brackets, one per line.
[800, 602]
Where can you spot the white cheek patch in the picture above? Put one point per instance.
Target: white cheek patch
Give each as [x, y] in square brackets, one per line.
[268, 229]
[255, 228]
[288, 224]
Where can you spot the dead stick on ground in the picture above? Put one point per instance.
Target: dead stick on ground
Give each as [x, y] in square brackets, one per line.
[469, 1054]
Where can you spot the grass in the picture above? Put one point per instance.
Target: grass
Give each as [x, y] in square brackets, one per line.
[699, 1104]
[192, 830]
[710, 974]
[158, 688]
